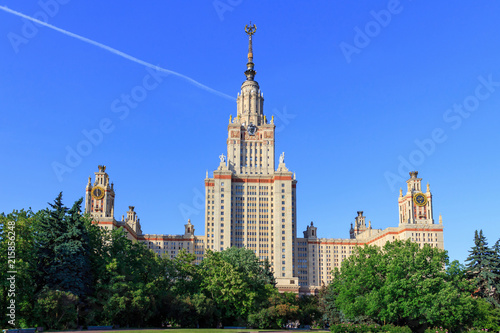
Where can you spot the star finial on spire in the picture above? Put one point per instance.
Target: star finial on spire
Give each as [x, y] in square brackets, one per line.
[250, 30]
[250, 72]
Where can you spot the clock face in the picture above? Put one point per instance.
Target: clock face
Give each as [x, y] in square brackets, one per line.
[97, 192]
[420, 199]
[251, 129]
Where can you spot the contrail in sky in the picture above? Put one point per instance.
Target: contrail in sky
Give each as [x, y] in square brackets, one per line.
[115, 51]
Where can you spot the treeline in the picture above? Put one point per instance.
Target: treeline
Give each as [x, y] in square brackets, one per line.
[406, 285]
[70, 273]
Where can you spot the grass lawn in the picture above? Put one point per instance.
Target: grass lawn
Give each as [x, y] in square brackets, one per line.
[198, 330]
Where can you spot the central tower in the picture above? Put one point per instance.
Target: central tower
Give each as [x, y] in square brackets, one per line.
[249, 203]
[250, 142]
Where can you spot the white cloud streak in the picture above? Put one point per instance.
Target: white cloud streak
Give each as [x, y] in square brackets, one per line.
[117, 52]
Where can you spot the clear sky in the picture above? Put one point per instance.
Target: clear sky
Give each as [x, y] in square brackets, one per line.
[362, 93]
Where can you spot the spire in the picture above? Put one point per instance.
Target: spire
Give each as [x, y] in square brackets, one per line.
[250, 72]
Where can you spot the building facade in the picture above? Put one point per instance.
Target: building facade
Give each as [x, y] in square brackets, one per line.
[251, 203]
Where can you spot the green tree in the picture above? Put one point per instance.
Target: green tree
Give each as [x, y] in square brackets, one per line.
[63, 249]
[246, 262]
[330, 314]
[17, 248]
[488, 316]
[262, 319]
[355, 285]
[309, 311]
[131, 286]
[182, 274]
[404, 284]
[287, 307]
[482, 263]
[496, 271]
[55, 309]
[236, 282]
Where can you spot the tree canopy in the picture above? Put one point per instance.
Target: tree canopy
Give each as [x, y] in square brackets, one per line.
[72, 273]
[404, 284]
[237, 283]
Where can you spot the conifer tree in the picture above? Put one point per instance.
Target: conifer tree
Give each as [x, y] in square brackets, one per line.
[75, 249]
[48, 233]
[63, 249]
[496, 271]
[480, 268]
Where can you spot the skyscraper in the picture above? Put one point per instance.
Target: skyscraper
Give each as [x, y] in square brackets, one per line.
[250, 203]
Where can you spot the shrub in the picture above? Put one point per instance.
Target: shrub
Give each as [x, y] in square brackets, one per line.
[395, 329]
[436, 330]
[371, 328]
[55, 309]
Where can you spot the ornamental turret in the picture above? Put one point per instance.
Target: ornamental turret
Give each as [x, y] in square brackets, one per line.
[100, 196]
[416, 206]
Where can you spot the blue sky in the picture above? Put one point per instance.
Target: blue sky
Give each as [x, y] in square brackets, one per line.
[361, 92]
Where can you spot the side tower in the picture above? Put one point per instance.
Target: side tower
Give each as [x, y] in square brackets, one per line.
[248, 202]
[100, 198]
[359, 225]
[133, 222]
[416, 220]
[416, 206]
[100, 204]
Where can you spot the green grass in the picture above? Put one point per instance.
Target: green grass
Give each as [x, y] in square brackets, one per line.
[198, 330]
[194, 330]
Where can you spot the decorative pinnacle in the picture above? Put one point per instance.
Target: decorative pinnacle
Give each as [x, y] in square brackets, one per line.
[250, 72]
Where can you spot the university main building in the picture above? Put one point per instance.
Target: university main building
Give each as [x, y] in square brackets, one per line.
[251, 203]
